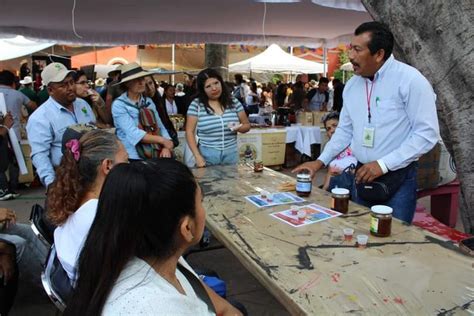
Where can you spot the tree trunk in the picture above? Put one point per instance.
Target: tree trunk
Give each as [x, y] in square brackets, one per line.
[437, 37]
[216, 57]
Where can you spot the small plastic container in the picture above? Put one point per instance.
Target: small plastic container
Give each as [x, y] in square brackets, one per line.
[362, 241]
[381, 220]
[264, 194]
[303, 184]
[301, 215]
[340, 200]
[270, 197]
[294, 210]
[348, 233]
[258, 166]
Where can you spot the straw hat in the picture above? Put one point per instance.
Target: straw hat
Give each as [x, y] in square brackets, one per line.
[100, 82]
[132, 71]
[26, 80]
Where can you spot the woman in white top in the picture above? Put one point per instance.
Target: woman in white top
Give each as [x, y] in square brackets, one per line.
[72, 197]
[131, 262]
[170, 103]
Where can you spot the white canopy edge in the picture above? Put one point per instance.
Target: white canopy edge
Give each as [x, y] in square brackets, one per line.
[18, 46]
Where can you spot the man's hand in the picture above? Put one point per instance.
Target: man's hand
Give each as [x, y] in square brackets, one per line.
[168, 144]
[7, 215]
[368, 172]
[311, 166]
[8, 120]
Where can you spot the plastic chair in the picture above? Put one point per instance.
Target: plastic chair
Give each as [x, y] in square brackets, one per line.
[55, 281]
[41, 228]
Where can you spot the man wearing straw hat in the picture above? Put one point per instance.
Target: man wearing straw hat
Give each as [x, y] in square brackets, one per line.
[47, 124]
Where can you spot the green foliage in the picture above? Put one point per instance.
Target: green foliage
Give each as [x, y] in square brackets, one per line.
[277, 77]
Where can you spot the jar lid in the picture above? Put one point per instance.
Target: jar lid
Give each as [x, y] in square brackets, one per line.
[381, 209]
[340, 191]
[304, 175]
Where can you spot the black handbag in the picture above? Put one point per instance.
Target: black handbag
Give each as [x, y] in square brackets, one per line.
[384, 187]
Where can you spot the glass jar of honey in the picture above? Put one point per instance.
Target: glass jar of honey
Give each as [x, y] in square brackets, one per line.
[303, 184]
[381, 220]
[340, 200]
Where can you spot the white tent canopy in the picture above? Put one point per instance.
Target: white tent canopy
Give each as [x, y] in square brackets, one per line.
[274, 59]
[253, 22]
[347, 67]
[14, 47]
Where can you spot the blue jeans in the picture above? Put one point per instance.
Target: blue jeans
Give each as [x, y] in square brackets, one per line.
[403, 202]
[213, 156]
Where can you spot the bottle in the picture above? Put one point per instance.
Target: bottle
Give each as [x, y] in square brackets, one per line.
[248, 153]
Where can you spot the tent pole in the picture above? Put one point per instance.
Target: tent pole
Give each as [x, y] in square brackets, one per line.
[325, 56]
[172, 62]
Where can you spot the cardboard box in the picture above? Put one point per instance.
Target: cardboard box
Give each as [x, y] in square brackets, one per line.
[317, 116]
[305, 118]
[266, 145]
[30, 176]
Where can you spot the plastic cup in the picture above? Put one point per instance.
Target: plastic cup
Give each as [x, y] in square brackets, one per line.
[270, 197]
[301, 215]
[294, 210]
[362, 241]
[264, 194]
[348, 233]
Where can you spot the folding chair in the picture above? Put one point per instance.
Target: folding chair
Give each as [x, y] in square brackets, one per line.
[56, 281]
[41, 228]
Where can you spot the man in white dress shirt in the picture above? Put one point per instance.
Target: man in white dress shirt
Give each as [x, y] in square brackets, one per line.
[389, 118]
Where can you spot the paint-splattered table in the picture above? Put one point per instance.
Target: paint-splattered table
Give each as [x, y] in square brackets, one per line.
[312, 270]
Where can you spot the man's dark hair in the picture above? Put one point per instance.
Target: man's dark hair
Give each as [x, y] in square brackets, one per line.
[238, 78]
[382, 38]
[7, 78]
[323, 80]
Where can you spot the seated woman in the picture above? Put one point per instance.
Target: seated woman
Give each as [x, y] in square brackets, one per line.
[344, 159]
[126, 112]
[131, 263]
[218, 117]
[72, 197]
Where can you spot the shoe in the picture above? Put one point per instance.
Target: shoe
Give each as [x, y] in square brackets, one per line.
[14, 194]
[5, 195]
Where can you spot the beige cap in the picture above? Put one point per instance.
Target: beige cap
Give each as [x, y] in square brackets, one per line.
[54, 72]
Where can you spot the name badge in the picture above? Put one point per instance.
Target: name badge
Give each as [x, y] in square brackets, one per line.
[368, 137]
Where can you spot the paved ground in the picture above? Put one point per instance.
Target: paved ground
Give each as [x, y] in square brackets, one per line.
[241, 285]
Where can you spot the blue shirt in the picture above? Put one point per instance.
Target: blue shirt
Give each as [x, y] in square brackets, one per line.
[213, 129]
[126, 119]
[403, 114]
[14, 100]
[45, 130]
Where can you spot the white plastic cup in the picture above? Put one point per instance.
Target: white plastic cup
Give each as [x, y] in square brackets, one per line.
[362, 240]
[264, 194]
[270, 197]
[348, 233]
[301, 215]
[294, 210]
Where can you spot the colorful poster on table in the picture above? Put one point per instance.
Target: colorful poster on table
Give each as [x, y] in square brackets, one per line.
[278, 198]
[305, 215]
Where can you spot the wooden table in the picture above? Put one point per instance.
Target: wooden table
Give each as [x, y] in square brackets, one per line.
[312, 271]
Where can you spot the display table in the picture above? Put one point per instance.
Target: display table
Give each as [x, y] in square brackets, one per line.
[311, 270]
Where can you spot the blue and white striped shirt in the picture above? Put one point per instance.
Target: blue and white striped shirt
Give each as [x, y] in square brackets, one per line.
[212, 129]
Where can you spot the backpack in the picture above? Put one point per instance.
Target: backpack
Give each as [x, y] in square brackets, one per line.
[147, 122]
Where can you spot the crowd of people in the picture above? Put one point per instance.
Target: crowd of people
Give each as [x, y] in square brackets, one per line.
[125, 211]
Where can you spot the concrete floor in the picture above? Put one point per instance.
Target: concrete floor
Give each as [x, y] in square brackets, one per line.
[241, 285]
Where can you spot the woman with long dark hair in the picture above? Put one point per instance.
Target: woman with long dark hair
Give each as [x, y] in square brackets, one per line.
[131, 262]
[73, 196]
[218, 117]
[151, 91]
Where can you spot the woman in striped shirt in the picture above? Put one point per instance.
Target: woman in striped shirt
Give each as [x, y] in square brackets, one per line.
[217, 117]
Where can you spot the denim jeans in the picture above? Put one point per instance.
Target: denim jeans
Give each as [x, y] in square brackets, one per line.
[213, 156]
[403, 202]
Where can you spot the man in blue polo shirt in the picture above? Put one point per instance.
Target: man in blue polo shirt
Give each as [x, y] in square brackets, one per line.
[389, 119]
[47, 124]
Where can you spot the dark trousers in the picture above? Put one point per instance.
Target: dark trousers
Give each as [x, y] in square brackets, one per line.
[13, 174]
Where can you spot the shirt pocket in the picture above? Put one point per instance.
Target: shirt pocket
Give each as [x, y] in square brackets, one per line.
[389, 110]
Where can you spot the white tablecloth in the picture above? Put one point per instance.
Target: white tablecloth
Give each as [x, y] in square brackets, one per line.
[304, 137]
